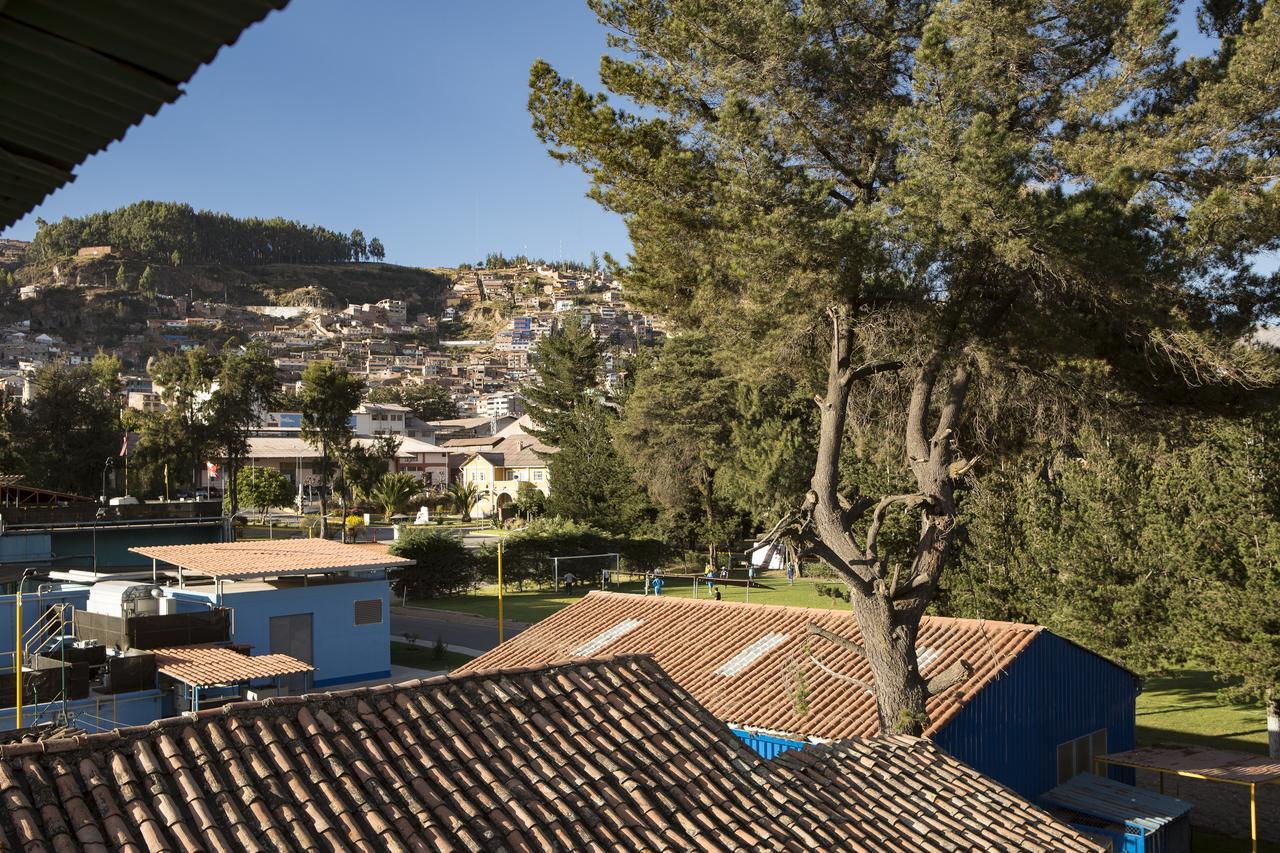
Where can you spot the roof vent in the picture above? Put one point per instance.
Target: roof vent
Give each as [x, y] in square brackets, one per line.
[752, 653]
[925, 656]
[605, 637]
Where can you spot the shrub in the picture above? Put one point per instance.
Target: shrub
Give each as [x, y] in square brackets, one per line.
[442, 564]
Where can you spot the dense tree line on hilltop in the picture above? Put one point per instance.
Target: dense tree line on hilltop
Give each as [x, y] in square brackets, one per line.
[175, 233]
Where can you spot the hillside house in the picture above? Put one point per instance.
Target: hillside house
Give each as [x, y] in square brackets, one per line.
[1035, 712]
[499, 471]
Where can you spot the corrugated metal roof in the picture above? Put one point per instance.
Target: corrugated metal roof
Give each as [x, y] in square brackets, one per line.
[77, 74]
[1116, 801]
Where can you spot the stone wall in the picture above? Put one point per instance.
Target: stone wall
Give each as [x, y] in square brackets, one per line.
[1221, 807]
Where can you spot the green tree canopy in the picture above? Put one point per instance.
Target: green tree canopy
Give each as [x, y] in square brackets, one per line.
[443, 565]
[245, 387]
[264, 489]
[171, 232]
[64, 435]
[972, 225]
[566, 362]
[329, 394]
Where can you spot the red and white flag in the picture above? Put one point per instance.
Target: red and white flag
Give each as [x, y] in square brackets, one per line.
[124, 445]
[212, 469]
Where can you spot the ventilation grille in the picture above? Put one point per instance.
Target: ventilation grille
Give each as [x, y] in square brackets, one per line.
[752, 653]
[605, 637]
[369, 611]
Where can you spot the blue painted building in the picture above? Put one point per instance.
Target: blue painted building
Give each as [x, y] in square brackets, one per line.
[340, 626]
[325, 605]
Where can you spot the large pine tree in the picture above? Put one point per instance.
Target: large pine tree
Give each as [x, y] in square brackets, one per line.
[979, 221]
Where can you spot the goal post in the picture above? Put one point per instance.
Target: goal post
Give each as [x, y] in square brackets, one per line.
[555, 566]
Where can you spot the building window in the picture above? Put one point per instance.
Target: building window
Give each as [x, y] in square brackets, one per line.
[1076, 756]
[368, 611]
[537, 475]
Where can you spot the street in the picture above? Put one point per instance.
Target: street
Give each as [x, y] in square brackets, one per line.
[461, 632]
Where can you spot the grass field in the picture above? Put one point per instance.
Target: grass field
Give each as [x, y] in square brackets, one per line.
[534, 605]
[1182, 707]
[424, 657]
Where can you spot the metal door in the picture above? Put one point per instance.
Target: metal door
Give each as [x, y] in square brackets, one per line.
[291, 635]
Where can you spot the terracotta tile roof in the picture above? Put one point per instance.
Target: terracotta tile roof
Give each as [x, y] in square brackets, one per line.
[600, 755]
[737, 659]
[956, 807]
[1225, 764]
[273, 557]
[211, 665]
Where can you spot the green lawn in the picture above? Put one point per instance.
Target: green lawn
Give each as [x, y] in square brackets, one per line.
[1203, 841]
[424, 657]
[1181, 707]
[533, 605]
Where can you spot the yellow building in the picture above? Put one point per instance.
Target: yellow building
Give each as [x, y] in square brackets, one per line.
[497, 472]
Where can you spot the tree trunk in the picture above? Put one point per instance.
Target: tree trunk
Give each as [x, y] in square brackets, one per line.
[1273, 722]
[324, 490]
[890, 652]
[888, 607]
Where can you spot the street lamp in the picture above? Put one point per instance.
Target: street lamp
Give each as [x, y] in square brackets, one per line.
[106, 466]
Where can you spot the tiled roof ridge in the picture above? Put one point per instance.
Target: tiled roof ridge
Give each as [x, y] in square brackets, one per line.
[331, 699]
[743, 605]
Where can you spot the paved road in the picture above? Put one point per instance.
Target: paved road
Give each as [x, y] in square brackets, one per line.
[456, 629]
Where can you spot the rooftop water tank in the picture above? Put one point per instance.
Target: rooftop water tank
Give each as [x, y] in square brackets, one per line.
[124, 598]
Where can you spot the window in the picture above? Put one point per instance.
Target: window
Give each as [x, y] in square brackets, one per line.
[537, 475]
[1076, 756]
[368, 611]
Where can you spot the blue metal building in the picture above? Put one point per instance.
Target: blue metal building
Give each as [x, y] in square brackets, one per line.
[1039, 723]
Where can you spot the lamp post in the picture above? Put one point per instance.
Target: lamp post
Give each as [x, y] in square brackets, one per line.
[106, 466]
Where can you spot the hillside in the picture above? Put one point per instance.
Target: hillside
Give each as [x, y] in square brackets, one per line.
[82, 299]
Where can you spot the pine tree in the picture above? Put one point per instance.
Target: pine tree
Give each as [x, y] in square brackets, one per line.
[567, 362]
[967, 223]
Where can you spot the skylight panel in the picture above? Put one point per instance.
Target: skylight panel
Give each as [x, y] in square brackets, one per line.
[752, 653]
[925, 656]
[605, 637]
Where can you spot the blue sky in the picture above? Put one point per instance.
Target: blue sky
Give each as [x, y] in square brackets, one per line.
[405, 118]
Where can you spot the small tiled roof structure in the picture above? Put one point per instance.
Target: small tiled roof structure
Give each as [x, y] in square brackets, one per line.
[207, 666]
[75, 76]
[516, 451]
[890, 768]
[736, 658]
[270, 558]
[607, 754]
[1227, 765]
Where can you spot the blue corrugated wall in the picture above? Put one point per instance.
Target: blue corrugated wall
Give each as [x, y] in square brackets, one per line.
[764, 745]
[1053, 692]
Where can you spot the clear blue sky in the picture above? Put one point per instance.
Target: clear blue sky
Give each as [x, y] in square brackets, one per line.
[405, 118]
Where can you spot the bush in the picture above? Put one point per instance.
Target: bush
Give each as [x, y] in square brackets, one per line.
[527, 553]
[443, 565]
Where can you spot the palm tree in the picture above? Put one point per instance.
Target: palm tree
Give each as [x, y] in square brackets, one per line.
[463, 497]
[393, 492]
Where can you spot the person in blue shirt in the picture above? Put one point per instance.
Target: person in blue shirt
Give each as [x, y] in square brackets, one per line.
[657, 586]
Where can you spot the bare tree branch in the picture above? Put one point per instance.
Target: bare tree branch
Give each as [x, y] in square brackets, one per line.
[843, 642]
[912, 500]
[842, 677]
[957, 673]
[918, 409]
